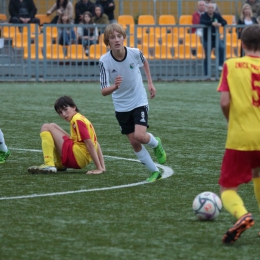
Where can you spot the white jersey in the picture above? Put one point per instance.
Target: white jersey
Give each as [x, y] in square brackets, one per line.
[131, 93]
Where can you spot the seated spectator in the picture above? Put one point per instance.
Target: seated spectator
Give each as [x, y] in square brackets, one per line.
[100, 17]
[61, 7]
[108, 7]
[255, 5]
[215, 20]
[87, 35]
[67, 35]
[216, 8]
[23, 11]
[246, 18]
[81, 7]
[196, 17]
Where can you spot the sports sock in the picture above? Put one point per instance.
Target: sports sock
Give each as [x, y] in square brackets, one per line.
[256, 182]
[152, 142]
[57, 159]
[145, 158]
[3, 146]
[47, 148]
[233, 203]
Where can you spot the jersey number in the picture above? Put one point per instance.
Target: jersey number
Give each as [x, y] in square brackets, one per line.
[255, 83]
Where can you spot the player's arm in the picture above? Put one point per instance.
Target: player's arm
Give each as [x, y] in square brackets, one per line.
[147, 72]
[225, 103]
[109, 90]
[95, 157]
[101, 157]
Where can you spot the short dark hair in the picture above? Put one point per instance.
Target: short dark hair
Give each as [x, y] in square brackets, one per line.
[250, 37]
[64, 102]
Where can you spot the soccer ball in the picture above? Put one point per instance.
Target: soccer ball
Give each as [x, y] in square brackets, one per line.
[207, 205]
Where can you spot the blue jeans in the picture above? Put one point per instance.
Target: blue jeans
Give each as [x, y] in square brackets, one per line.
[66, 38]
[220, 53]
[86, 43]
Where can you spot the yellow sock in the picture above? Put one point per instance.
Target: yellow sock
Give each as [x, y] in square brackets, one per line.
[233, 203]
[256, 182]
[57, 159]
[47, 148]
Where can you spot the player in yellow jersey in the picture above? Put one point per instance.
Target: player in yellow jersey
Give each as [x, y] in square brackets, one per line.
[61, 150]
[240, 102]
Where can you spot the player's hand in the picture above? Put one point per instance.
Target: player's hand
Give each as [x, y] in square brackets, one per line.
[96, 171]
[118, 81]
[152, 90]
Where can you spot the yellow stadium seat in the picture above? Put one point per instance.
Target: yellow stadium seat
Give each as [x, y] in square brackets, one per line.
[9, 31]
[170, 39]
[53, 31]
[44, 18]
[33, 29]
[184, 20]
[55, 52]
[145, 20]
[76, 52]
[21, 40]
[97, 50]
[232, 40]
[130, 41]
[163, 52]
[127, 20]
[149, 40]
[230, 52]
[41, 42]
[33, 51]
[183, 52]
[165, 20]
[192, 40]
[147, 51]
[3, 17]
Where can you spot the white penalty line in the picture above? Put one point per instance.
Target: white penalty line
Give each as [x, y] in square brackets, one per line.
[167, 172]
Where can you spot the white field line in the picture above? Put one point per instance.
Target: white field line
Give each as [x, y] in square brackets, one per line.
[167, 172]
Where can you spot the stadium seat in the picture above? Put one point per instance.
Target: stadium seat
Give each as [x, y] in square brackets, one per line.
[9, 31]
[76, 52]
[97, 50]
[165, 20]
[127, 20]
[184, 20]
[232, 40]
[44, 18]
[192, 40]
[33, 52]
[231, 19]
[230, 52]
[130, 41]
[170, 39]
[145, 20]
[183, 52]
[55, 52]
[163, 52]
[33, 29]
[53, 31]
[149, 40]
[21, 40]
[148, 51]
[3, 17]
[44, 41]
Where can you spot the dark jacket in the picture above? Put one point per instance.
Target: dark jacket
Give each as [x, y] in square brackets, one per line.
[239, 30]
[14, 7]
[108, 10]
[205, 19]
[81, 8]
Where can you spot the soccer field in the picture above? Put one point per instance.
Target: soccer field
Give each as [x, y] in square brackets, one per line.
[116, 215]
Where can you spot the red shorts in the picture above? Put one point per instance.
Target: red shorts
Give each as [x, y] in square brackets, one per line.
[68, 158]
[237, 167]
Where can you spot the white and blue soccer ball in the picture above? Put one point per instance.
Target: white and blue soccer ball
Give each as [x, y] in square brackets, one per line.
[207, 205]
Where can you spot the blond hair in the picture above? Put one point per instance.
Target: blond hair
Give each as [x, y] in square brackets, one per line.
[110, 29]
[242, 16]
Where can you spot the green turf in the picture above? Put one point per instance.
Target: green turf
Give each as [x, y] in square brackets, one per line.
[152, 221]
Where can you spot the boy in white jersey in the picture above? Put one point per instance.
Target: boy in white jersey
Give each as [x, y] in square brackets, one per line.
[4, 151]
[240, 103]
[61, 150]
[121, 77]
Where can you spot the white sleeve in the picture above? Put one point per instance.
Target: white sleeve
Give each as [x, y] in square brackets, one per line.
[104, 75]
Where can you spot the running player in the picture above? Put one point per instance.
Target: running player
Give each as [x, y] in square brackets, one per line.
[4, 151]
[240, 102]
[120, 76]
[77, 150]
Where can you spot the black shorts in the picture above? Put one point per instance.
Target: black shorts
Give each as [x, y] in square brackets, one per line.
[128, 120]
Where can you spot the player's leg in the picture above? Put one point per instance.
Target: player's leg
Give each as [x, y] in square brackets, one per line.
[256, 182]
[4, 151]
[232, 175]
[52, 141]
[101, 157]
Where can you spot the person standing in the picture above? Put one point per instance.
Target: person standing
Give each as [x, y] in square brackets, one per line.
[81, 7]
[240, 104]
[22, 12]
[4, 151]
[120, 77]
[215, 21]
[109, 8]
[196, 17]
[255, 5]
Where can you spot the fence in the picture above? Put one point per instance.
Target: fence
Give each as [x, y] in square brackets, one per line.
[173, 52]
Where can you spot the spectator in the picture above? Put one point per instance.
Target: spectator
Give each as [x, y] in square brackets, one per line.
[108, 7]
[61, 7]
[67, 35]
[81, 7]
[216, 8]
[246, 18]
[23, 11]
[196, 17]
[215, 20]
[100, 17]
[87, 35]
[255, 5]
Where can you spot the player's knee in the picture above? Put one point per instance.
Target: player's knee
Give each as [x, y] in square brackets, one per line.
[47, 127]
[140, 138]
